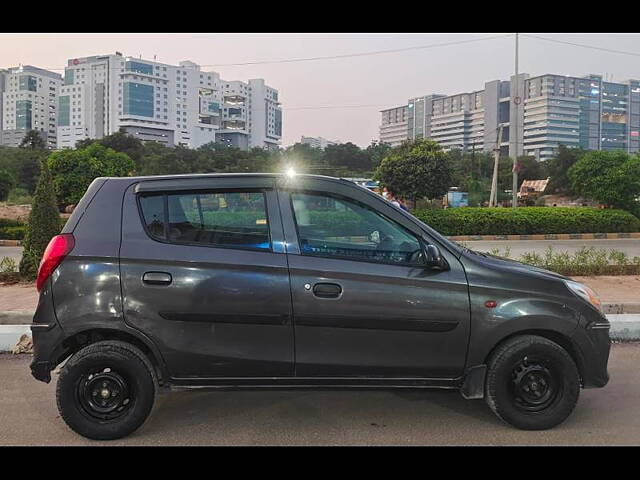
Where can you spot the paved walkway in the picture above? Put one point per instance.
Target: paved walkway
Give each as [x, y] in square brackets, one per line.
[21, 296]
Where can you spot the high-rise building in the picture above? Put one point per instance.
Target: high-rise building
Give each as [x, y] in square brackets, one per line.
[251, 115]
[551, 110]
[317, 142]
[173, 105]
[28, 97]
[393, 129]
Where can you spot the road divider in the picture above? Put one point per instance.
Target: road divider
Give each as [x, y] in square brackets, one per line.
[546, 236]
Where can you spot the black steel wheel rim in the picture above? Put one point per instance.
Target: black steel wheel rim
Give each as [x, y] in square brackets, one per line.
[535, 385]
[104, 394]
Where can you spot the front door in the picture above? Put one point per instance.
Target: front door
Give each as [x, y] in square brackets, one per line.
[204, 275]
[364, 302]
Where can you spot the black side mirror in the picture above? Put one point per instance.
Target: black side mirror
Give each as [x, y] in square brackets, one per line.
[434, 258]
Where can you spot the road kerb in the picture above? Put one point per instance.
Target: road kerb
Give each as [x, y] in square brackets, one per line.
[547, 236]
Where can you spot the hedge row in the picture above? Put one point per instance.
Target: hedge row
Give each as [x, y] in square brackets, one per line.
[528, 220]
[15, 230]
[452, 221]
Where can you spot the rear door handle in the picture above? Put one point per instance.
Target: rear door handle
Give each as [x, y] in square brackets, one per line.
[157, 278]
[327, 290]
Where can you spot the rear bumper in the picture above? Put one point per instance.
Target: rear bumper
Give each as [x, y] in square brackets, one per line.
[593, 345]
[47, 337]
[47, 351]
[41, 371]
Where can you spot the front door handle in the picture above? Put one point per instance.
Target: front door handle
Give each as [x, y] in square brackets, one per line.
[157, 278]
[327, 290]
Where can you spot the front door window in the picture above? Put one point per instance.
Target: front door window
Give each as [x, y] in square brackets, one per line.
[335, 227]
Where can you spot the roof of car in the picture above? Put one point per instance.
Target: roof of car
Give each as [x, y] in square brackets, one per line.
[223, 175]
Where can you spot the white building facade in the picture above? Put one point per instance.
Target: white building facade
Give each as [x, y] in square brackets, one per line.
[393, 126]
[28, 96]
[173, 105]
[317, 142]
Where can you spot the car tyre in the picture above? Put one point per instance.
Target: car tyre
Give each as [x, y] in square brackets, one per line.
[532, 383]
[106, 390]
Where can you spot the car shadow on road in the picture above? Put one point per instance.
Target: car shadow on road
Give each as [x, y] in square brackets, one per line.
[326, 411]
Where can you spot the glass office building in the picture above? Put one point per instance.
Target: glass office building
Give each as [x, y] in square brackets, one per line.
[586, 112]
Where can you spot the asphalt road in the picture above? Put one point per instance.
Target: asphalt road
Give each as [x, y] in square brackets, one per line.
[631, 246]
[608, 416]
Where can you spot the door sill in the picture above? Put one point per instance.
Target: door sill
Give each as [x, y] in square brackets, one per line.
[260, 383]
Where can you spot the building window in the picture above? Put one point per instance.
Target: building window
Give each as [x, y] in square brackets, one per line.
[138, 99]
[139, 67]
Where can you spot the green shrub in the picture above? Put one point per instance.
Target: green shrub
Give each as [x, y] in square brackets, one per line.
[586, 261]
[528, 220]
[8, 265]
[42, 225]
[12, 233]
[16, 230]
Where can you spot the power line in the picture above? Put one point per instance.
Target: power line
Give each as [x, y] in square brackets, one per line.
[317, 107]
[332, 57]
[362, 54]
[593, 47]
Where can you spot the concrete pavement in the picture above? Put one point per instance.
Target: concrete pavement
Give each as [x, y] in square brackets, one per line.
[608, 416]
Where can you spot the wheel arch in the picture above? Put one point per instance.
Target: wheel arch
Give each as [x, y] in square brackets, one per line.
[80, 339]
[558, 337]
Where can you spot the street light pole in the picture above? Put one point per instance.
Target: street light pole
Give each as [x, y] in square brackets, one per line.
[517, 100]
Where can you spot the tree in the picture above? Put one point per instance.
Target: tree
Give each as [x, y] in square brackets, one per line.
[416, 169]
[43, 223]
[119, 141]
[376, 152]
[611, 178]
[32, 140]
[557, 168]
[529, 169]
[348, 156]
[6, 184]
[74, 170]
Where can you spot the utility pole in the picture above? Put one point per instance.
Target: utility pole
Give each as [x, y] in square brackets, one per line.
[493, 196]
[517, 100]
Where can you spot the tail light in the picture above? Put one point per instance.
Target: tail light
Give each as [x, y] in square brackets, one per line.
[58, 248]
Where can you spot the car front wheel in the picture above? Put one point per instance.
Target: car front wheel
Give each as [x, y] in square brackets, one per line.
[532, 383]
[106, 390]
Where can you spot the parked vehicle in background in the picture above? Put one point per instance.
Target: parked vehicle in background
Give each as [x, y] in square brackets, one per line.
[254, 281]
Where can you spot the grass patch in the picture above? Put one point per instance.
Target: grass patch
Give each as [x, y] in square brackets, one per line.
[586, 261]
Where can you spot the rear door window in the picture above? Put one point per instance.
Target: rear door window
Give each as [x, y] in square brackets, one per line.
[220, 219]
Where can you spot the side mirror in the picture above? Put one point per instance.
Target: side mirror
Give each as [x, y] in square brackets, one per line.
[434, 258]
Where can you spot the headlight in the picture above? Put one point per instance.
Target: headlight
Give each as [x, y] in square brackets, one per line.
[584, 292]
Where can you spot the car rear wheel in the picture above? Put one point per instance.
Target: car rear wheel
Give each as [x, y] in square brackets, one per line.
[106, 390]
[532, 383]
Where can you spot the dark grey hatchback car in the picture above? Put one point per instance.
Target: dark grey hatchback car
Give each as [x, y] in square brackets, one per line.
[260, 281]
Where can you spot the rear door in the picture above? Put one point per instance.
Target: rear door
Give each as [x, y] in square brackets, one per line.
[364, 303]
[204, 275]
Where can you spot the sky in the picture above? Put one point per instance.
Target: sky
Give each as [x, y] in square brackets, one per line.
[354, 89]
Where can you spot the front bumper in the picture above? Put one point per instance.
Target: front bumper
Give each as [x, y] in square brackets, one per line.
[593, 345]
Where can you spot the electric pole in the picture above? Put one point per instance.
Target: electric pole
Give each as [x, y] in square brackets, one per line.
[517, 100]
[493, 196]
